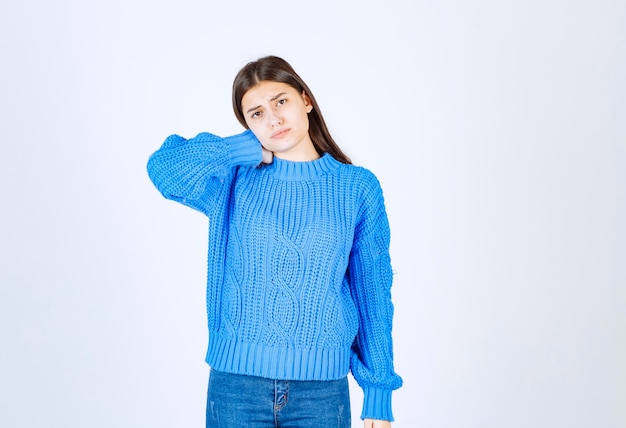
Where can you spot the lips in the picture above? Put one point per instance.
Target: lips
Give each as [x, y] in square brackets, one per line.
[280, 133]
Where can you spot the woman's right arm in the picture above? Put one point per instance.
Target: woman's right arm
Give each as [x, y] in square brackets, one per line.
[193, 171]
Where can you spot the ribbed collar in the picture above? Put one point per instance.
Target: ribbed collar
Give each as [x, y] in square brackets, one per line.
[290, 170]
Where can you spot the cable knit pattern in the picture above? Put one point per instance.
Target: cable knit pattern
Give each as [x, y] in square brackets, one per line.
[299, 277]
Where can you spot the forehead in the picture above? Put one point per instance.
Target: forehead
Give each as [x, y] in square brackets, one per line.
[264, 91]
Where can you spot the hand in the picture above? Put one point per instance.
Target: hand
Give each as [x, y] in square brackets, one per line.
[375, 423]
[268, 157]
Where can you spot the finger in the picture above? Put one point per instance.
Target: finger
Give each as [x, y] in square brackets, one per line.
[268, 156]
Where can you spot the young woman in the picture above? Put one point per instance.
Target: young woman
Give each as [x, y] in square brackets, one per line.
[299, 276]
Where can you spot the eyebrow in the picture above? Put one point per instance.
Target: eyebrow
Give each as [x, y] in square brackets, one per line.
[274, 98]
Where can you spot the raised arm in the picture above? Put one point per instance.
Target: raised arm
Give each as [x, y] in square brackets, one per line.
[193, 171]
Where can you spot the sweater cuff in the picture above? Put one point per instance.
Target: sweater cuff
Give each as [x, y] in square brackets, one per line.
[377, 404]
[245, 149]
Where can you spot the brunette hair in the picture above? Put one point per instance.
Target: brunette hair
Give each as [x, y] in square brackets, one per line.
[275, 69]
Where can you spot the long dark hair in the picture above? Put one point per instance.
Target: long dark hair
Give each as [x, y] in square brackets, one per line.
[275, 69]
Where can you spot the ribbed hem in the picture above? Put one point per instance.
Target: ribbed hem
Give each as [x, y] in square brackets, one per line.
[244, 148]
[277, 362]
[377, 404]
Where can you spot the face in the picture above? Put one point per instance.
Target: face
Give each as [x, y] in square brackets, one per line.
[278, 115]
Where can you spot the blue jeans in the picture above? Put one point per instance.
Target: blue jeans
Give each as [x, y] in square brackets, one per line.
[238, 401]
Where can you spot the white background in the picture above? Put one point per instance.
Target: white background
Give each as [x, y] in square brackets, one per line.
[497, 129]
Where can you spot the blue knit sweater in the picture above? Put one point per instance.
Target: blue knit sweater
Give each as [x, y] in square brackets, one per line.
[299, 274]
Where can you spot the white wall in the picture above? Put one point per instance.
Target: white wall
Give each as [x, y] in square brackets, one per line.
[496, 128]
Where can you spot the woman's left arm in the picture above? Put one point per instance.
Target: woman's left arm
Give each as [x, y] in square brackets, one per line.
[370, 277]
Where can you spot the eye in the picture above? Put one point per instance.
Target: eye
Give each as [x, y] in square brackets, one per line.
[281, 102]
[255, 114]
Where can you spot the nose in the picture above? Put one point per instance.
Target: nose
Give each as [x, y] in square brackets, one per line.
[275, 119]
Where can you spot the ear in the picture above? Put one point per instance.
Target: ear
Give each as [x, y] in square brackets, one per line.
[307, 102]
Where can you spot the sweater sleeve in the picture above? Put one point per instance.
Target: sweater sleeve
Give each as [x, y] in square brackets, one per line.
[370, 276]
[194, 171]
